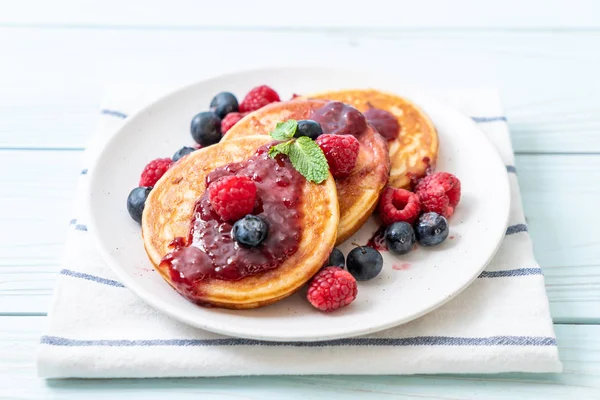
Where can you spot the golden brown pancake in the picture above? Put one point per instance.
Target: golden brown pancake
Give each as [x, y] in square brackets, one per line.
[357, 193]
[168, 215]
[416, 147]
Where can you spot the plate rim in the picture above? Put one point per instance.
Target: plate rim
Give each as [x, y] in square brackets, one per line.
[216, 327]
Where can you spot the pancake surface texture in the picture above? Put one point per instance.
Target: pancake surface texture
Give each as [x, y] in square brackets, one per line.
[168, 214]
[416, 147]
[358, 193]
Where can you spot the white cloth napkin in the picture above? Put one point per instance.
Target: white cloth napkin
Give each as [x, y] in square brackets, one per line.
[99, 329]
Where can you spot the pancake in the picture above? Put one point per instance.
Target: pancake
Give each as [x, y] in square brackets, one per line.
[168, 215]
[415, 149]
[359, 192]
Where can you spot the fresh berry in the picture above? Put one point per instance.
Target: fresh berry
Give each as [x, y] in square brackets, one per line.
[230, 120]
[340, 119]
[431, 228]
[439, 192]
[332, 288]
[136, 201]
[154, 171]
[223, 104]
[341, 152]
[310, 128]
[184, 151]
[250, 231]
[386, 123]
[206, 128]
[364, 263]
[336, 258]
[400, 237]
[397, 205]
[258, 98]
[232, 197]
[435, 200]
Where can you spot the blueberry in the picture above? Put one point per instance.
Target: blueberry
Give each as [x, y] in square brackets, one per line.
[184, 151]
[400, 237]
[310, 128]
[336, 258]
[135, 202]
[431, 228]
[364, 263]
[250, 231]
[224, 103]
[206, 128]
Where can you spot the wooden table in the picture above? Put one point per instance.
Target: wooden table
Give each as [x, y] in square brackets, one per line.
[56, 58]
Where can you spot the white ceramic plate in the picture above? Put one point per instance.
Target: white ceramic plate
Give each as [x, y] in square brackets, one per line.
[408, 287]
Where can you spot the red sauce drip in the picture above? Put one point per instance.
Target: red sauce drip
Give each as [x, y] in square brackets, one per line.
[210, 252]
[384, 122]
[415, 179]
[377, 241]
[337, 118]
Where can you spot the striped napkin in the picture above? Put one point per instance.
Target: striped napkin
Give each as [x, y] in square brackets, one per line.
[501, 323]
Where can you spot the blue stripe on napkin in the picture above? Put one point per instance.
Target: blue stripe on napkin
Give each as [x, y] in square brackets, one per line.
[79, 227]
[92, 278]
[489, 119]
[410, 341]
[511, 230]
[113, 113]
[511, 272]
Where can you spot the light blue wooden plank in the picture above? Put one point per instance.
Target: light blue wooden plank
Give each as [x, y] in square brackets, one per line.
[52, 86]
[312, 14]
[579, 349]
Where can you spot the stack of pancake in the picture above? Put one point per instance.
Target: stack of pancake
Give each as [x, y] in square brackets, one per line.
[331, 211]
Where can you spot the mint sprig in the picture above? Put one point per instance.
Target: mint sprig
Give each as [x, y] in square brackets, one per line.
[281, 148]
[285, 130]
[304, 153]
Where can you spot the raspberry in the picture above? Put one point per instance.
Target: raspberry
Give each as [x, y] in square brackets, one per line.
[230, 120]
[397, 205]
[435, 200]
[232, 197]
[258, 98]
[332, 288]
[154, 171]
[341, 152]
[439, 192]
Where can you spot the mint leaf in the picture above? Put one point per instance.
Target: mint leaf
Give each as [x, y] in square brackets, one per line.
[281, 148]
[308, 159]
[285, 130]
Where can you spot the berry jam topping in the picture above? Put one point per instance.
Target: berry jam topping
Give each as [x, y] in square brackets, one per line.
[212, 252]
[377, 240]
[339, 119]
[386, 124]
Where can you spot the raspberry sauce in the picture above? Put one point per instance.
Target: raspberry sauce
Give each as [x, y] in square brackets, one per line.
[377, 241]
[386, 123]
[210, 252]
[339, 119]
